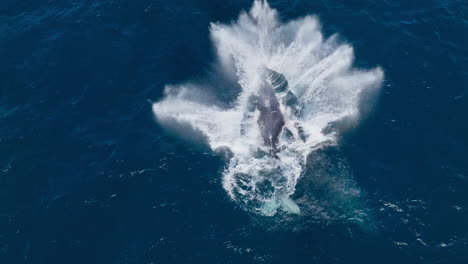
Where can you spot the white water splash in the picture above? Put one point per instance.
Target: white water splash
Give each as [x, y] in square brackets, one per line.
[319, 72]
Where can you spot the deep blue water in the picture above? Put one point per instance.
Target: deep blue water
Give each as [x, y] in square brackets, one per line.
[88, 176]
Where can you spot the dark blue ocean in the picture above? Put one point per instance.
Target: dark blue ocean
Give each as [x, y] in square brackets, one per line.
[87, 175]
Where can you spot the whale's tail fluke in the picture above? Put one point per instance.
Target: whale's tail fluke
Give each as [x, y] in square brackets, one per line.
[285, 203]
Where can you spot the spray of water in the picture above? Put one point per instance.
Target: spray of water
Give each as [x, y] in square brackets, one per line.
[319, 73]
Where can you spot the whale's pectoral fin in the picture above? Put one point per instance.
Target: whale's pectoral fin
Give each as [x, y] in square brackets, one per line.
[252, 103]
[277, 80]
[300, 131]
[248, 112]
[292, 102]
[288, 134]
[280, 84]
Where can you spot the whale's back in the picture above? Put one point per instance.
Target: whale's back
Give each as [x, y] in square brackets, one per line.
[270, 120]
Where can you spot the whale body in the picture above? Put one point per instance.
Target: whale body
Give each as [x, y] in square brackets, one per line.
[270, 120]
[266, 104]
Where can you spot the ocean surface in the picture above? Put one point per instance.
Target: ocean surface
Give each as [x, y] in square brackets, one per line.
[90, 174]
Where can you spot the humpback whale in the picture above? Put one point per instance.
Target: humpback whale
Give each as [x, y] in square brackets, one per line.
[271, 120]
[267, 102]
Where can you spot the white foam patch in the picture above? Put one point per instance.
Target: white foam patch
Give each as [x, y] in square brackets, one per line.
[320, 74]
